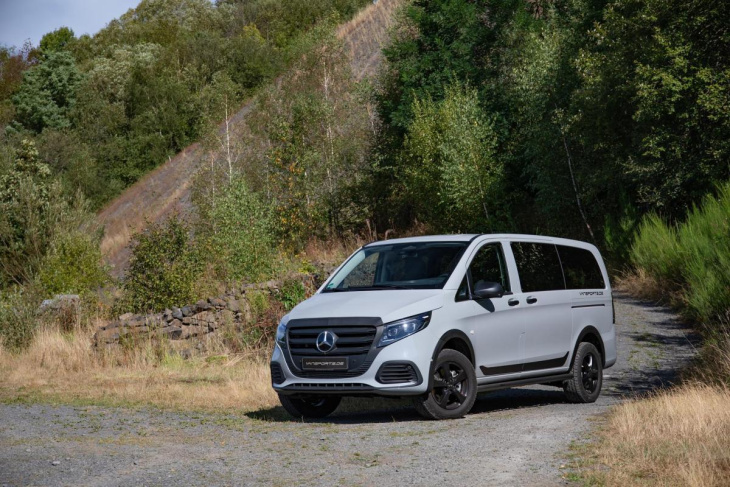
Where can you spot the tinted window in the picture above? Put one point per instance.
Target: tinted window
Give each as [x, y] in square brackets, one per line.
[488, 265]
[539, 266]
[580, 268]
[420, 265]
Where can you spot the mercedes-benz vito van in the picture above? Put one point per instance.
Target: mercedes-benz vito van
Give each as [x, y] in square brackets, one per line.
[442, 318]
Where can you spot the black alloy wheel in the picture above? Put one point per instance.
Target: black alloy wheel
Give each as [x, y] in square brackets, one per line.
[587, 375]
[453, 388]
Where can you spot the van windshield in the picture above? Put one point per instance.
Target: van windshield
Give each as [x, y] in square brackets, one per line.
[423, 265]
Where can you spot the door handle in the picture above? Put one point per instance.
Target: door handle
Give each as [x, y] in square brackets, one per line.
[513, 302]
[531, 300]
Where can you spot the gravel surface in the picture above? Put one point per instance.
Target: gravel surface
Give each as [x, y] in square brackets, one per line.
[518, 436]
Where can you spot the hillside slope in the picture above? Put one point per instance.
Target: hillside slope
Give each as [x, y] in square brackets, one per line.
[166, 189]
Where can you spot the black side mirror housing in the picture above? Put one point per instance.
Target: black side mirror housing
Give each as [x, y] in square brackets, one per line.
[486, 289]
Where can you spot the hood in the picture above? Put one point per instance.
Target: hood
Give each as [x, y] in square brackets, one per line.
[388, 305]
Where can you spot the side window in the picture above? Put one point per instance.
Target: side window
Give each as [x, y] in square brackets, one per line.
[538, 265]
[489, 265]
[580, 268]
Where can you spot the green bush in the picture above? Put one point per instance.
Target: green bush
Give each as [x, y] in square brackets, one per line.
[18, 316]
[73, 265]
[656, 249]
[705, 242]
[238, 234]
[163, 268]
[694, 258]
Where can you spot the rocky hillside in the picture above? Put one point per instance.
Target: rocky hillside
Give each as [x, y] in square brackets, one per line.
[166, 190]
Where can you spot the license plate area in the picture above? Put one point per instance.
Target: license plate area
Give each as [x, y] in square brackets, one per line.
[324, 363]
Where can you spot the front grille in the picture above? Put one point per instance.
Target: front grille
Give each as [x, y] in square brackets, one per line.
[396, 373]
[354, 342]
[277, 374]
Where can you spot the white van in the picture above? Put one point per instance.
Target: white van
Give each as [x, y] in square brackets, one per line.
[442, 318]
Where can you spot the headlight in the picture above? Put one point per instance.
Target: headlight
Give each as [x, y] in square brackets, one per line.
[403, 328]
[281, 332]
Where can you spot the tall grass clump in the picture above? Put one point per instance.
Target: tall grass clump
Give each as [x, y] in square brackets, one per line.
[656, 250]
[691, 258]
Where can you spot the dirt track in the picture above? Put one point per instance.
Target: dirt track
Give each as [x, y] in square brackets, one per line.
[514, 437]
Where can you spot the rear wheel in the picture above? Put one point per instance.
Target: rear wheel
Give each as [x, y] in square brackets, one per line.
[587, 375]
[454, 388]
[310, 407]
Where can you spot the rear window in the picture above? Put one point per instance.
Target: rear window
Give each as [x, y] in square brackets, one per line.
[538, 265]
[581, 268]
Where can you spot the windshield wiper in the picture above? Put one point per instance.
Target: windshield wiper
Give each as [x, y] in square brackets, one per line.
[381, 286]
[377, 287]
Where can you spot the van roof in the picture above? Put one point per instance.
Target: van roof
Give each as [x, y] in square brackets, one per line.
[471, 236]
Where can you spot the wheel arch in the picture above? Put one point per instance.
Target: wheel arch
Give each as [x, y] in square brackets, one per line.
[453, 340]
[591, 335]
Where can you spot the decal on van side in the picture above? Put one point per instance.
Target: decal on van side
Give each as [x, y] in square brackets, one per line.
[591, 293]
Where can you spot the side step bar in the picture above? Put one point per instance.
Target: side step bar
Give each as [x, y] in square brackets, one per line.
[494, 386]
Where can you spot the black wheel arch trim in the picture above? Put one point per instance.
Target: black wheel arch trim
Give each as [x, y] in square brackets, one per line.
[590, 330]
[445, 338]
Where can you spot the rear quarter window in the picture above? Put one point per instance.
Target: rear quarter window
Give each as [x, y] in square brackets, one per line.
[538, 265]
[581, 268]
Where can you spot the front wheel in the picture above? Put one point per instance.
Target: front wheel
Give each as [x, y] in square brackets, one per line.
[454, 388]
[310, 407]
[587, 375]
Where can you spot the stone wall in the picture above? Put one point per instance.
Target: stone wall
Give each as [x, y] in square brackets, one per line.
[195, 320]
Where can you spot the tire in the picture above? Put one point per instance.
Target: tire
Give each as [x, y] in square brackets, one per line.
[453, 390]
[310, 407]
[585, 385]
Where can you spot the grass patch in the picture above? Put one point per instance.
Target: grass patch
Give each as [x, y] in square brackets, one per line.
[678, 437]
[66, 369]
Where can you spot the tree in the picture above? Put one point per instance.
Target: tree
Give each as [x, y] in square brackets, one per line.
[29, 206]
[58, 40]
[48, 93]
[450, 171]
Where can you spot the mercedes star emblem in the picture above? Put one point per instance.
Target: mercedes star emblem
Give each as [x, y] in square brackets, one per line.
[326, 341]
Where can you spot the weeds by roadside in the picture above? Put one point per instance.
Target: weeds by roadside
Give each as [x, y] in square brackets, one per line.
[678, 437]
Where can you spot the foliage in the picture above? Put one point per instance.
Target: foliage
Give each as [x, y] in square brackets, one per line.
[236, 232]
[48, 93]
[163, 268]
[317, 132]
[18, 316]
[292, 293]
[29, 209]
[450, 172]
[58, 40]
[73, 265]
[602, 111]
[693, 258]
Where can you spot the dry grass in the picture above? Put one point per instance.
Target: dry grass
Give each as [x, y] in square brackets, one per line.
[679, 437]
[365, 35]
[66, 368]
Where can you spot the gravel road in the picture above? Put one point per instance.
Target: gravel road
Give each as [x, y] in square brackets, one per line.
[514, 437]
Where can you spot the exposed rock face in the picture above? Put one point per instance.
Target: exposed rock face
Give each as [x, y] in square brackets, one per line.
[191, 321]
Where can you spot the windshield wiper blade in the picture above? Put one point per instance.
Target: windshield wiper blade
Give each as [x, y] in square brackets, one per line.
[383, 286]
[377, 287]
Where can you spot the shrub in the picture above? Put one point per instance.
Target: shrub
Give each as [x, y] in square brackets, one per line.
[73, 265]
[163, 268]
[656, 250]
[18, 317]
[693, 258]
[239, 233]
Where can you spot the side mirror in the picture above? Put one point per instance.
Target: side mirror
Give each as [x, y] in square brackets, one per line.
[486, 289]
